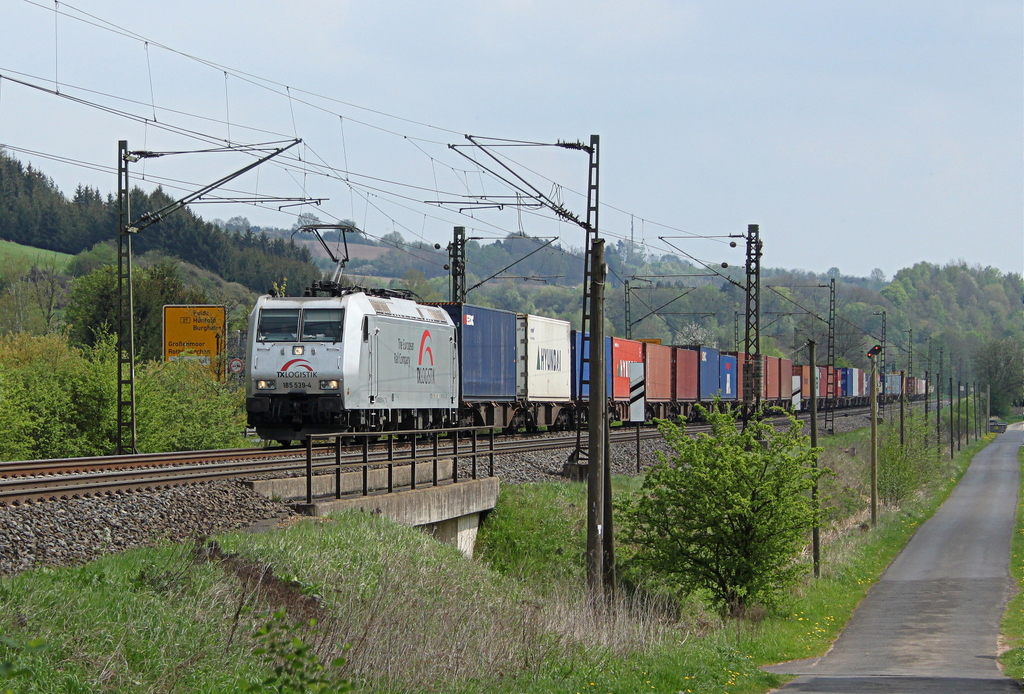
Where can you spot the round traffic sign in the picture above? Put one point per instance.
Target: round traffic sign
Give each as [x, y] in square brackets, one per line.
[235, 366]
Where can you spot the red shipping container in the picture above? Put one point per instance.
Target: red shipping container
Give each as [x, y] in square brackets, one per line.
[785, 379]
[659, 372]
[822, 381]
[686, 373]
[771, 377]
[624, 353]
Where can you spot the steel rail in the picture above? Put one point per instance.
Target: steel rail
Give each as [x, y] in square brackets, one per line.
[21, 489]
[191, 467]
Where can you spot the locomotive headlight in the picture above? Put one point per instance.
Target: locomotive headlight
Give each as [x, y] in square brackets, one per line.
[269, 384]
[298, 350]
[329, 385]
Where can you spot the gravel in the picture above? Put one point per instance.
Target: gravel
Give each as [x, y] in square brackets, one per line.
[58, 533]
[61, 533]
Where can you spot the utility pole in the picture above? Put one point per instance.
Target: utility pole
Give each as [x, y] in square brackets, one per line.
[977, 411]
[872, 353]
[815, 531]
[598, 422]
[927, 395]
[457, 263]
[988, 403]
[959, 414]
[938, 404]
[903, 408]
[927, 385]
[951, 417]
[830, 380]
[752, 335]
[974, 401]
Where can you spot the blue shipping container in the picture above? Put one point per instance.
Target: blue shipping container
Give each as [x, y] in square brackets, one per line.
[846, 382]
[577, 339]
[487, 352]
[710, 373]
[727, 376]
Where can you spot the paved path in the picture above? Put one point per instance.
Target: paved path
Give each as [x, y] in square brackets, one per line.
[930, 624]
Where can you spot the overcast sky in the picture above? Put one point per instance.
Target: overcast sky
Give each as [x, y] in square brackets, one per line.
[859, 135]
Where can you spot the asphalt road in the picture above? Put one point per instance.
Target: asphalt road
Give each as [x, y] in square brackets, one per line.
[931, 623]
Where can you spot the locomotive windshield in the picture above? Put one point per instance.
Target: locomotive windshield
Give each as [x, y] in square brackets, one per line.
[278, 325]
[282, 325]
[322, 324]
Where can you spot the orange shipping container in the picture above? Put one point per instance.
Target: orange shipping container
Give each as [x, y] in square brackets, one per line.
[659, 372]
[771, 377]
[785, 379]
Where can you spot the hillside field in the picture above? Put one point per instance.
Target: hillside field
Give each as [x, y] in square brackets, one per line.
[16, 253]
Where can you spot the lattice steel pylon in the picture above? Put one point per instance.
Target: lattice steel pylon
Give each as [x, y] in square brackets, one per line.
[752, 368]
[126, 227]
[910, 352]
[882, 369]
[591, 230]
[457, 262]
[629, 323]
[830, 379]
[126, 438]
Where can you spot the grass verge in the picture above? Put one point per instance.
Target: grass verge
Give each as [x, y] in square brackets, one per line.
[699, 653]
[410, 615]
[1013, 618]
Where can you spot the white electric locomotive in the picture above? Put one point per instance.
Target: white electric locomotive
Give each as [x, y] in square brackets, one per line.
[349, 359]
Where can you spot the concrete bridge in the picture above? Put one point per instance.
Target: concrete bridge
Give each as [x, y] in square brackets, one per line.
[449, 511]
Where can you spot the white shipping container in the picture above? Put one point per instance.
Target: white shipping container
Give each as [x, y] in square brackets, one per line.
[545, 363]
[893, 384]
[797, 400]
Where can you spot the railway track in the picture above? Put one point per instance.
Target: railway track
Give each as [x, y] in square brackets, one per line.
[42, 480]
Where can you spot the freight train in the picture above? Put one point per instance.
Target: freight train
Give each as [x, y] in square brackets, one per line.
[356, 359]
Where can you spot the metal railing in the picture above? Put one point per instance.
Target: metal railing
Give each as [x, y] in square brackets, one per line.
[463, 442]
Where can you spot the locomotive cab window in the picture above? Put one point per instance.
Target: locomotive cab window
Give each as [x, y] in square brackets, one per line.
[322, 324]
[278, 325]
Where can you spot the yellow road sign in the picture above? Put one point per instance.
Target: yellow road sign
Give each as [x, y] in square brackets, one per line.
[197, 333]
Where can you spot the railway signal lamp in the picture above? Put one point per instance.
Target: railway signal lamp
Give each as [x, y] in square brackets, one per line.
[875, 351]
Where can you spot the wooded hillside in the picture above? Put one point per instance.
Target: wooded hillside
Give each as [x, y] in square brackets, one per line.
[35, 213]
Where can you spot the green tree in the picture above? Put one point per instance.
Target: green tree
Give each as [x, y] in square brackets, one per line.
[727, 513]
[999, 365]
[92, 306]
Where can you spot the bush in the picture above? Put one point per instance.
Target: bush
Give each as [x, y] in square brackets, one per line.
[182, 407]
[60, 399]
[903, 469]
[728, 513]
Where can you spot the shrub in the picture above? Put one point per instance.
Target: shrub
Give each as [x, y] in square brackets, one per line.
[182, 407]
[727, 513]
